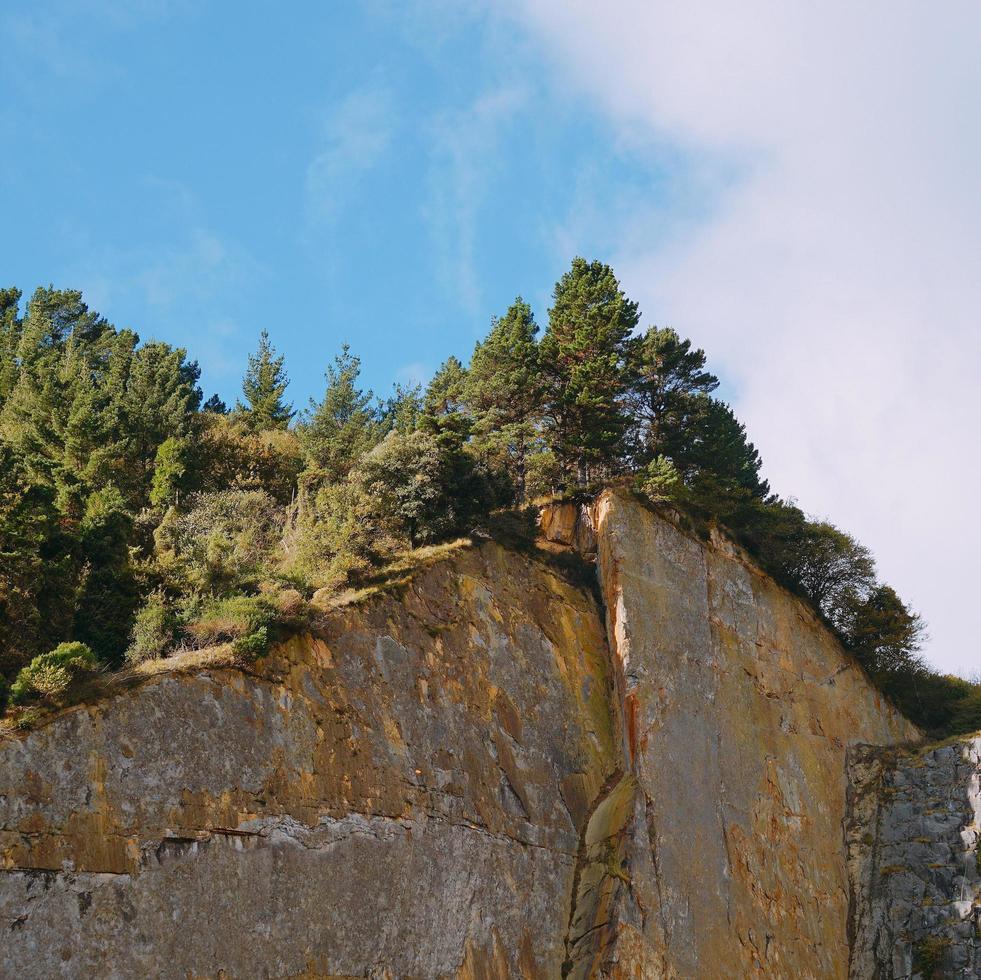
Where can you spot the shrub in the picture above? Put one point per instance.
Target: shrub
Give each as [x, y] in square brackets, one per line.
[49, 675]
[231, 620]
[659, 481]
[224, 542]
[153, 630]
[335, 534]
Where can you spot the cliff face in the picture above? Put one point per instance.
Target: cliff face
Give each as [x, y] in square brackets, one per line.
[491, 774]
[913, 838]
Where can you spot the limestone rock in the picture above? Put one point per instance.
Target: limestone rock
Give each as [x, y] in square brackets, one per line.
[489, 774]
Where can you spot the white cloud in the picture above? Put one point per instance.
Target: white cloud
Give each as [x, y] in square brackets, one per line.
[356, 134]
[837, 286]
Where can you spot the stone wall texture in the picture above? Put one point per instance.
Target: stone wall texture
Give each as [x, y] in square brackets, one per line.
[497, 771]
[914, 848]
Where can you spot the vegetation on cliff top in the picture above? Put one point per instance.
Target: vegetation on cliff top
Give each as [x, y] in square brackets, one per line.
[137, 519]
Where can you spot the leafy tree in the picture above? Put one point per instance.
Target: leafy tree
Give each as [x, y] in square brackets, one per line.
[224, 455]
[170, 471]
[503, 391]
[883, 634]
[583, 357]
[337, 532]
[428, 492]
[264, 385]
[226, 542]
[343, 426]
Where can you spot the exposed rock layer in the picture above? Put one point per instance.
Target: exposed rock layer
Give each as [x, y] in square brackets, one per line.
[916, 870]
[488, 775]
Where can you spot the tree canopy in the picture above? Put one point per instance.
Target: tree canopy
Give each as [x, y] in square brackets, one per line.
[136, 517]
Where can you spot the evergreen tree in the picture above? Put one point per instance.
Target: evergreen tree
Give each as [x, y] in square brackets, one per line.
[444, 394]
[401, 412]
[264, 385]
[343, 426]
[158, 402]
[36, 566]
[711, 450]
[503, 392]
[667, 376]
[583, 356]
[10, 330]
[215, 406]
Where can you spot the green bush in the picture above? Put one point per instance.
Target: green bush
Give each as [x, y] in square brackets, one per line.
[153, 630]
[224, 542]
[232, 620]
[253, 645]
[49, 675]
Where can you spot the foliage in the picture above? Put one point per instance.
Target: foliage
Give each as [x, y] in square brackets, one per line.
[502, 389]
[133, 518]
[225, 542]
[426, 490]
[659, 481]
[668, 384]
[335, 533]
[153, 630]
[247, 622]
[583, 357]
[264, 385]
[49, 675]
[341, 427]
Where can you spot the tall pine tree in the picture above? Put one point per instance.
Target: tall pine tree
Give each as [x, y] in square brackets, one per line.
[667, 376]
[343, 426]
[583, 355]
[503, 392]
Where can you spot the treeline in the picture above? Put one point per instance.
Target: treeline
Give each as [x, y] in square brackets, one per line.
[137, 518]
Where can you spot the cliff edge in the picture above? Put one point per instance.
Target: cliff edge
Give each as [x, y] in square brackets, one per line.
[497, 772]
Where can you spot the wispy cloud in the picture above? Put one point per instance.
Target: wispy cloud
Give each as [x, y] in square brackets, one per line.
[356, 134]
[465, 158]
[836, 283]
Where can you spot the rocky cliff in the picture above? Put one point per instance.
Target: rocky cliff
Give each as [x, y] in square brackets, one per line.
[913, 838]
[498, 771]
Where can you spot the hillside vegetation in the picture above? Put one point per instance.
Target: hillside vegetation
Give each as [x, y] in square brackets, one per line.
[137, 519]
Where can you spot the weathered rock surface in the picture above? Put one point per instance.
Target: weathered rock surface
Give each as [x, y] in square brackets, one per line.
[739, 708]
[916, 872]
[488, 775]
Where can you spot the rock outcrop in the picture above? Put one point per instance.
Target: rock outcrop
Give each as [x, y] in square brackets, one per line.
[916, 865]
[494, 773]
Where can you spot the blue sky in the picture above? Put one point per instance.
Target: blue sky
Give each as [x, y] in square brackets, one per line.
[349, 172]
[793, 185]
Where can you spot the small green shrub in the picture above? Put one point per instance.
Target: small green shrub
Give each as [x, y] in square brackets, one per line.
[153, 631]
[49, 675]
[253, 645]
[230, 620]
[929, 955]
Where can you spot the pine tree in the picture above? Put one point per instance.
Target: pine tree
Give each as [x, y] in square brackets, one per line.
[264, 385]
[10, 330]
[712, 446]
[503, 392]
[583, 355]
[667, 377]
[343, 426]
